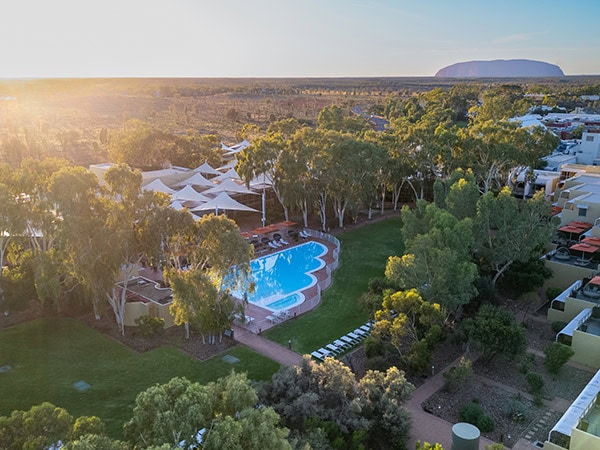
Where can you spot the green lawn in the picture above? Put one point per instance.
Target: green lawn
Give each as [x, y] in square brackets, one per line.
[48, 355]
[363, 256]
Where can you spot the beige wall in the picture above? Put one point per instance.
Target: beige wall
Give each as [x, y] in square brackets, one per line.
[550, 446]
[573, 306]
[570, 215]
[133, 310]
[564, 275]
[586, 347]
[581, 440]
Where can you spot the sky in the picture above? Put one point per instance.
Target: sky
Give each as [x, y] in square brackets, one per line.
[289, 38]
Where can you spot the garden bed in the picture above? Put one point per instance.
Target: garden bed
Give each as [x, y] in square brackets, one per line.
[173, 336]
[512, 413]
[567, 384]
[444, 353]
[539, 334]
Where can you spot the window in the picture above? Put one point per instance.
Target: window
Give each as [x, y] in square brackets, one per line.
[589, 139]
[582, 212]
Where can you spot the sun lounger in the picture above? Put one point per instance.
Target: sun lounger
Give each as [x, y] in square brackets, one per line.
[342, 344]
[324, 352]
[360, 332]
[272, 244]
[334, 349]
[366, 329]
[317, 355]
[355, 336]
[303, 235]
[284, 242]
[348, 340]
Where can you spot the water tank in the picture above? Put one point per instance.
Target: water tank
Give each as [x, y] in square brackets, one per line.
[465, 437]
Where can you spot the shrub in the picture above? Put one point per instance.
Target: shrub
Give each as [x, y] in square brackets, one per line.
[473, 413]
[149, 326]
[553, 292]
[373, 347]
[535, 382]
[470, 413]
[419, 357]
[485, 424]
[556, 356]
[377, 363]
[379, 284]
[526, 363]
[458, 375]
[517, 411]
[558, 325]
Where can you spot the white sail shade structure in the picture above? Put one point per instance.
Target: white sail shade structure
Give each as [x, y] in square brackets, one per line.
[231, 173]
[230, 186]
[197, 179]
[207, 169]
[188, 193]
[176, 205]
[158, 186]
[223, 202]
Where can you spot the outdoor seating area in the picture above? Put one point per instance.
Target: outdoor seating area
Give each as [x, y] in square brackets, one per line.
[279, 316]
[272, 237]
[344, 343]
[572, 233]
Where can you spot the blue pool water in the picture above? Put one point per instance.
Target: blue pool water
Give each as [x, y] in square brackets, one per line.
[279, 277]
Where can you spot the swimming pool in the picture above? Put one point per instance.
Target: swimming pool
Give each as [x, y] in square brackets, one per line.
[280, 277]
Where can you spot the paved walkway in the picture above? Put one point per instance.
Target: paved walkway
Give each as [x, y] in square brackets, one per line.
[266, 347]
[425, 426]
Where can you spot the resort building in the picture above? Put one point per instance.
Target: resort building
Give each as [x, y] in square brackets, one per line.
[146, 297]
[579, 427]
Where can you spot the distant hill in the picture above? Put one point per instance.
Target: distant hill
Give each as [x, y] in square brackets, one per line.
[500, 68]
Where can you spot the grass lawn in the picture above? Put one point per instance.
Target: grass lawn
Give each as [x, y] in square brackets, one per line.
[364, 253]
[48, 355]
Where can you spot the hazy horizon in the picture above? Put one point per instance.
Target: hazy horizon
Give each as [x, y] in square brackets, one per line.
[284, 39]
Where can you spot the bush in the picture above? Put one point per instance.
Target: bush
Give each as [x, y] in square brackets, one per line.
[526, 363]
[377, 363]
[556, 356]
[535, 382]
[458, 375]
[470, 413]
[379, 284]
[485, 424]
[517, 411]
[149, 326]
[473, 413]
[558, 325]
[553, 292]
[373, 347]
[419, 357]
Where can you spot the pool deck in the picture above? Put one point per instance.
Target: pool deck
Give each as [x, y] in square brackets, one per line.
[262, 318]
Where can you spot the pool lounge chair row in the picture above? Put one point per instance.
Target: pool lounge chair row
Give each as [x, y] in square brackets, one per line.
[344, 343]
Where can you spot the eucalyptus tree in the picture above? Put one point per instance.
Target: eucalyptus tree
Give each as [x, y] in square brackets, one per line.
[352, 172]
[507, 231]
[437, 261]
[12, 223]
[218, 262]
[259, 160]
[176, 412]
[139, 144]
[134, 225]
[300, 170]
[32, 184]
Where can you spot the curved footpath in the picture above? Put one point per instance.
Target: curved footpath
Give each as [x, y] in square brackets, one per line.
[266, 347]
